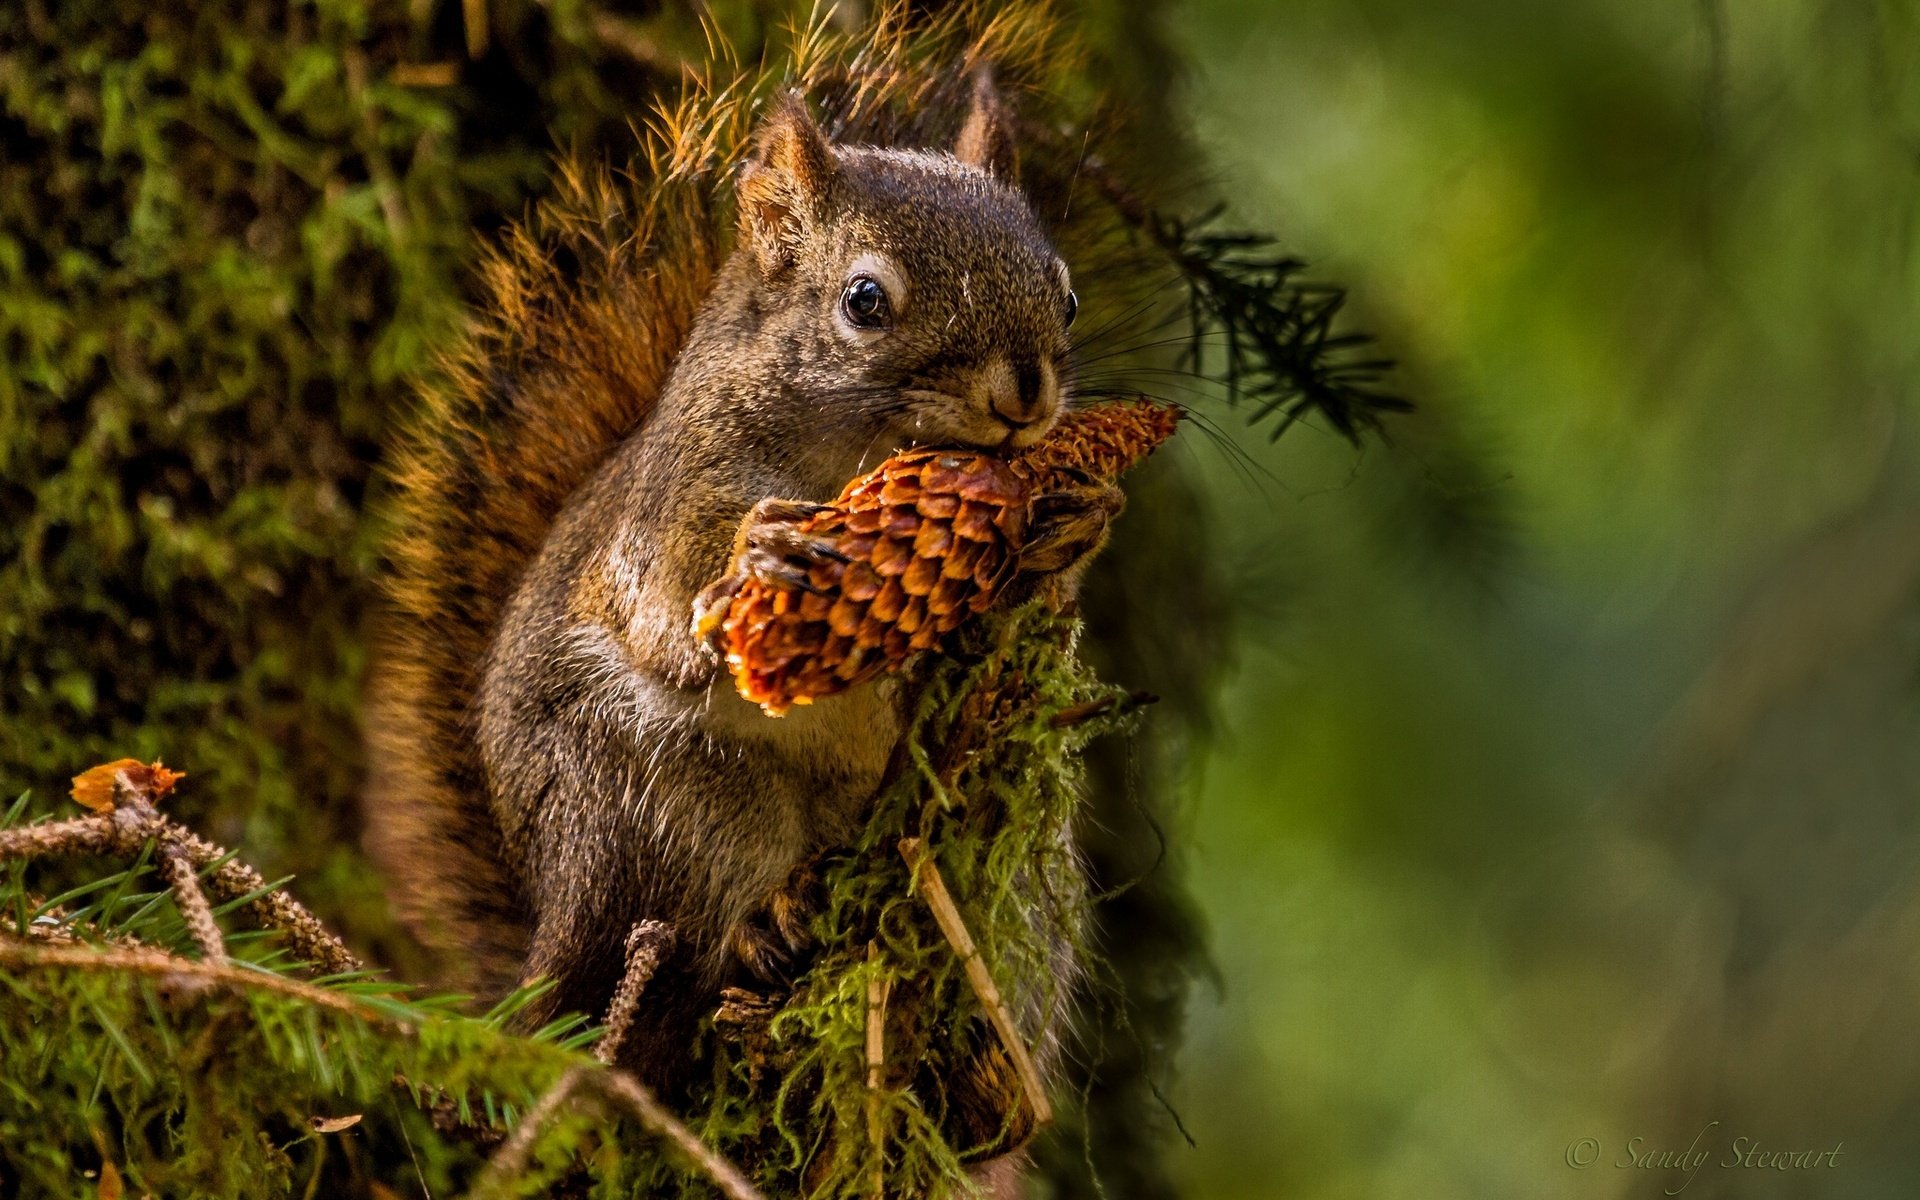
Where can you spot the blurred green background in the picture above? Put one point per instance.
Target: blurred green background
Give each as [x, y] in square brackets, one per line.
[1568, 786]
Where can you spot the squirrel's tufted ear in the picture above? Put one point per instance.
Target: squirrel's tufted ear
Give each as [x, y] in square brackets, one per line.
[782, 185]
[986, 138]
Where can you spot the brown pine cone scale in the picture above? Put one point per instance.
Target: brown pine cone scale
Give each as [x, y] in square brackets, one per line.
[929, 538]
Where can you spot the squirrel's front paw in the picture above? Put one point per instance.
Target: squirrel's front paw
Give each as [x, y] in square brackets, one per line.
[1068, 526]
[770, 545]
[772, 942]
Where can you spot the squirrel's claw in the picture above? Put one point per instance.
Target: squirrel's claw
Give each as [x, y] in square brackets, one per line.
[773, 545]
[710, 607]
[772, 942]
[761, 952]
[769, 545]
[1068, 526]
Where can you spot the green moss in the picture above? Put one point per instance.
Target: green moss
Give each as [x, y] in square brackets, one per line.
[228, 240]
[992, 787]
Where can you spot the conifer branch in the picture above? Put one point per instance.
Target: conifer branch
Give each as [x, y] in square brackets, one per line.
[126, 795]
[1282, 355]
[172, 968]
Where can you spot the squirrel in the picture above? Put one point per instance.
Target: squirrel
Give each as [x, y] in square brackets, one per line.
[556, 758]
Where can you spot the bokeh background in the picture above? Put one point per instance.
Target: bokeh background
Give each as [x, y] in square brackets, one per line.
[1561, 779]
[1569, 773]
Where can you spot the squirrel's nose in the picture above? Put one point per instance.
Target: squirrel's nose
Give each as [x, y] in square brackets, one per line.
[1021, 393]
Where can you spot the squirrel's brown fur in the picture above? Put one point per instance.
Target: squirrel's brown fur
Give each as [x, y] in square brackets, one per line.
[554, 756]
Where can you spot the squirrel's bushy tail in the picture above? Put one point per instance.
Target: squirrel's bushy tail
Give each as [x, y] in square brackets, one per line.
[584, 306]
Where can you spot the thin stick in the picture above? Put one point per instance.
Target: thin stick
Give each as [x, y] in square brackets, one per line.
[159, 964]
[306, 936]
[473, 14]
[879, 987]
[510, 1160]
[647, 944]
[947, 915]
[653, 1116]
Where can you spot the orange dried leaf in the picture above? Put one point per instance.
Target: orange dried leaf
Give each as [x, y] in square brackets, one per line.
[160, 782]
[94, 787]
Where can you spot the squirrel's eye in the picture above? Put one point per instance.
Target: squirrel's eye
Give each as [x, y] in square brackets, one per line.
[865, 303]
[1073, 306]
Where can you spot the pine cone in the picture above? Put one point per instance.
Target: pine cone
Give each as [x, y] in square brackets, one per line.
[930, 538]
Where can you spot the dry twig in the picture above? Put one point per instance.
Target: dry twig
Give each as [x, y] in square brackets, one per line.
[647, 944]
[305, 935]
[511, 1159]
[947, 915]
[879, 987]
[632, 1095]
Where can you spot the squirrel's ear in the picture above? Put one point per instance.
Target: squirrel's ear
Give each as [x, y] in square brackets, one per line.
[782, 185]
[986, 138]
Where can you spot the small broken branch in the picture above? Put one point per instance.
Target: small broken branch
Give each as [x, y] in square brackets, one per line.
[879, 987]
[653, 1116]
[946, 914]
[178, 870]
[647, 944]
[510, 1161]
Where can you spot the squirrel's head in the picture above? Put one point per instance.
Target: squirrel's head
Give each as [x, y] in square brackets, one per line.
[913, 290]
